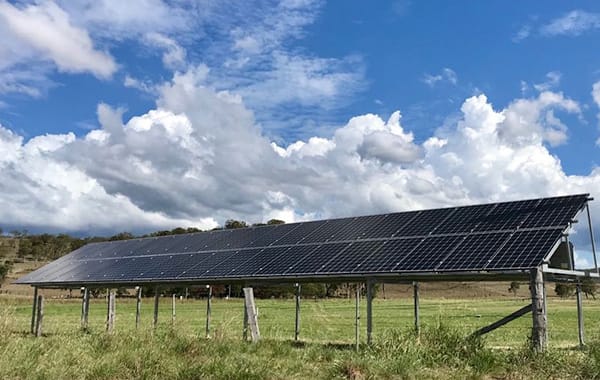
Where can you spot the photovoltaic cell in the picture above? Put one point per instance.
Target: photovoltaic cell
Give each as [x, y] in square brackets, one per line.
[474, 251]
[318, 258]
[290, 256]
[553, 212]
[273, 234]
[500, 236]
[526, 249]
[230, 267]
[202, 265]
[329, 230]
[388, 255]
[353, 256]
[296, 235]
[387, 226]
[427, 255]
[425, 222]
[463, 220]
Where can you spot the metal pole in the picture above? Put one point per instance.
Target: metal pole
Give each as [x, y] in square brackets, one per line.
[357, 317]
[173, 309]
[138, 306]
[245, 325]
[589, 217]
[578, 296]
[297, 324]
[369, 311]
[416, 306]
[580, 326]
[34, 309]
[208, 310]
[156, 299]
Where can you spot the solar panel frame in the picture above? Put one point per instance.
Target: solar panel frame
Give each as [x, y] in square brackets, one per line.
[501, 236]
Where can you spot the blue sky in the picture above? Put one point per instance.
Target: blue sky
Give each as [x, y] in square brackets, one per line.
[495, 48]
[151, 114]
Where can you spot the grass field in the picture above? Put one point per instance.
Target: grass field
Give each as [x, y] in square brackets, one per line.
[180, 350]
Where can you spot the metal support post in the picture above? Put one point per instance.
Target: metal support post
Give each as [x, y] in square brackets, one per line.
[297, 325]
[173, 309]
[357, 318]
[208, 310]
[589, 217]
[578, 296]
[156, 300]
[138, 306]
[369, 311]
[34, 309]
[580, 327]
[416, 306]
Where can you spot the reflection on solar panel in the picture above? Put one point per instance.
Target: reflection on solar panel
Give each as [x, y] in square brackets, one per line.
[491, 237]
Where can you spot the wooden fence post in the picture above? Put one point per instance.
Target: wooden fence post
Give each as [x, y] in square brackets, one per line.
[40, 316]
[416, 306]
[34, 309]
[297, 324]
[538, 309]
[252, 317]
[110, 314]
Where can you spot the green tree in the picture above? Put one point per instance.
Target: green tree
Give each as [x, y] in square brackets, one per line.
[122, 236]
[232, 224]
[273, 222]
[589, 287]
[564, 290]
[514, 287]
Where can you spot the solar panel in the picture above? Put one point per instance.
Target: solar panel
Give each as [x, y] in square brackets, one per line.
[490, 237]
[474, 251]
[525, 249]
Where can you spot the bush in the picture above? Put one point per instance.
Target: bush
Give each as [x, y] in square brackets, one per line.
[564, 290]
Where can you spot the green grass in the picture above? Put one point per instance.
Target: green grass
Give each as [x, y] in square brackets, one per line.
[180, 350]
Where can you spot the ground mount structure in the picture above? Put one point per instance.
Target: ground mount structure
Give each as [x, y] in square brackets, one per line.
[517, 240]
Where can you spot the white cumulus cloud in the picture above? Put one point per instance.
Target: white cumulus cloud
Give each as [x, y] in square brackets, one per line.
[199, 158]
[45, 31]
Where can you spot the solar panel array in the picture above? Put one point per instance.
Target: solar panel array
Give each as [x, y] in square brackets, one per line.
[489, 237]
